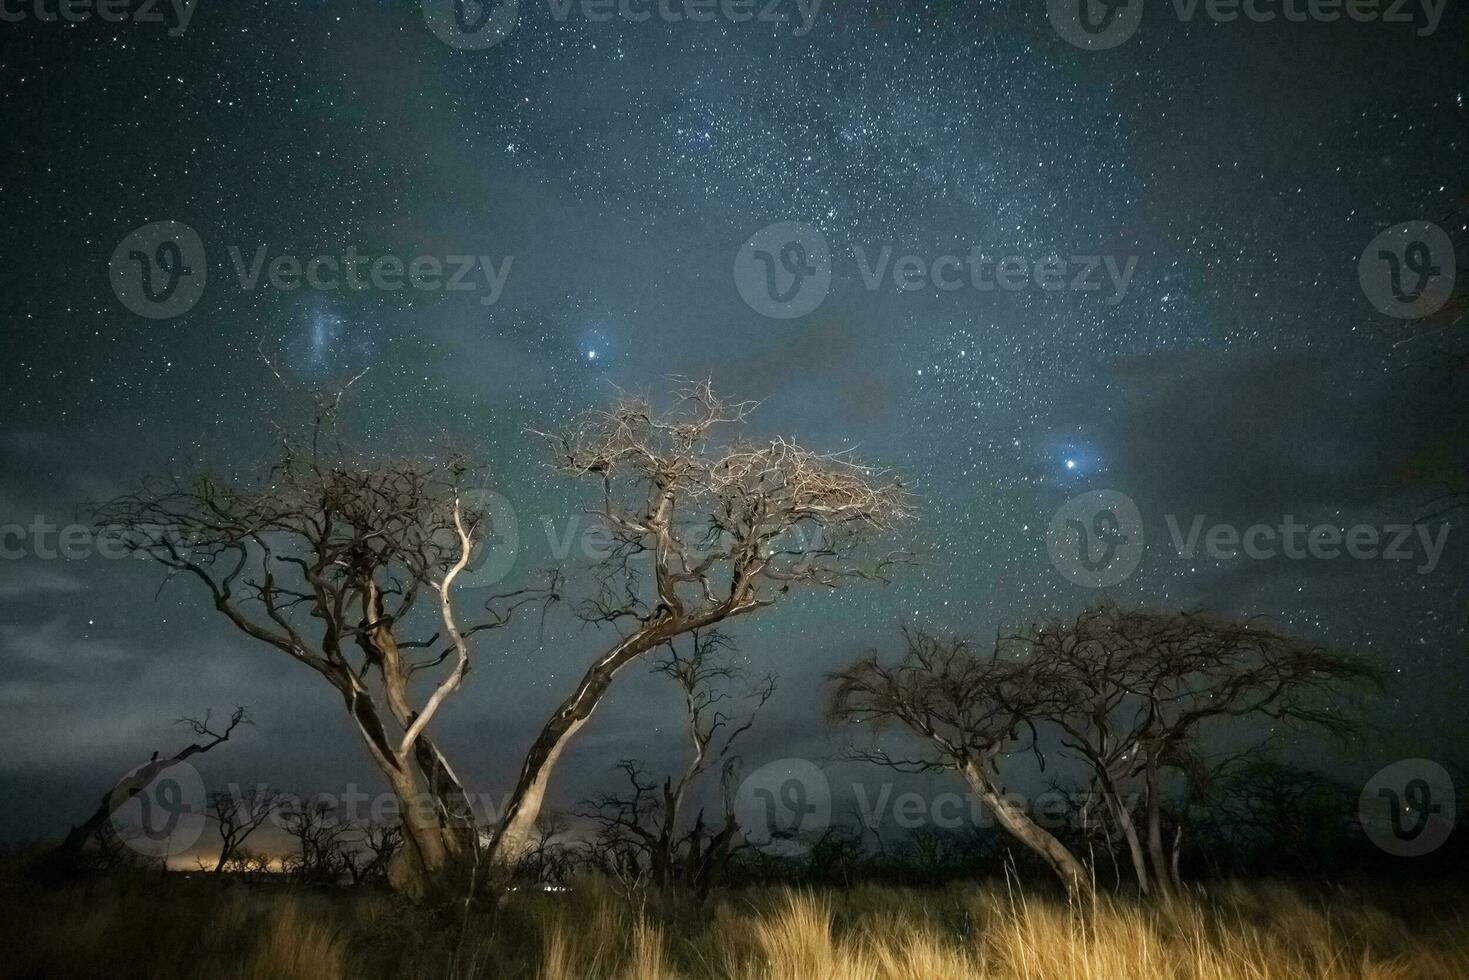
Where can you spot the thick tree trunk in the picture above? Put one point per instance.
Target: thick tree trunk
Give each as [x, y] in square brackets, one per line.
[516, 831]
[455, 812]
[1017, 822]
[130, 786]
[67, 852]
[428, 842]
[1123, 815]
[1134, 844]
[420, 824]
[1157, 856]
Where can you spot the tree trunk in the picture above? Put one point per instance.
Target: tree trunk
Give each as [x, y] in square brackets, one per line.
[455, 812]
[69, 850]
[516, 831]
[1177, 856]
[1156, 854]
[421, 827]
[1134, 845]
[1073, 875]
[1123, 815]
[427, 841]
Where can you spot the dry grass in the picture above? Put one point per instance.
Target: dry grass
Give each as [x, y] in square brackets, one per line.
[197, 928]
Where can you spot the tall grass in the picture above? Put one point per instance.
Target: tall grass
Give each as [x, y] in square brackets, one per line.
[161, 929]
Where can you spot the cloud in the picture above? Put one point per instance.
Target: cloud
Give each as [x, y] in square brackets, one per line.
[20, 580]
[1254, 436]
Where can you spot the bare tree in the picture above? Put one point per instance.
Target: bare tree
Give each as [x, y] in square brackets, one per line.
[137, 781]
[973, 711]
[325, 560]
[238, 815]
[1132, 691]
[645, 822]
[1278, 815]
[551, 856]
[320, 857]
[370, 855]
[704, 528]
[247, 861]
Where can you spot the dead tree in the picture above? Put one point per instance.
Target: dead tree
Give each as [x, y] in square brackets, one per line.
[973, 711]
[246, 861]
[136, 782]
[1131, 692]
[320, 856]
[1273, 815]
[704, 527]
[238, 815]
[370, 855]
[551, 857]
[645, 823]
[325, 560]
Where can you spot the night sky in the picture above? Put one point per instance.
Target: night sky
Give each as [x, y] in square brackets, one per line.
[1242, 374]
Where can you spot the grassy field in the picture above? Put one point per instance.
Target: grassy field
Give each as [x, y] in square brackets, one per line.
[195, 927]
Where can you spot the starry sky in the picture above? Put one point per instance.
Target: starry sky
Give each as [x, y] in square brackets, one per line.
[619, 166]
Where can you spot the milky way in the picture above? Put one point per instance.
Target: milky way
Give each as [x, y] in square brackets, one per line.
[1240, 374]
